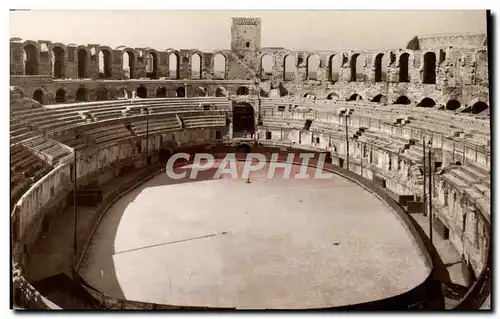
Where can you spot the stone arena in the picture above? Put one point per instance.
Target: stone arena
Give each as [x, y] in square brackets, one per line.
[404, 224]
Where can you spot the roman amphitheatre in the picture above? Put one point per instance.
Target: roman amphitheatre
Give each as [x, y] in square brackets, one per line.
[402, 224]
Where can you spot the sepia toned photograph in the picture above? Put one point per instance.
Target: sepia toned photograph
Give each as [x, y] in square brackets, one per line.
[250, 160]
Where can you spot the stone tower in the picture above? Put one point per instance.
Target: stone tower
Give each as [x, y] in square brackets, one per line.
[245, 41]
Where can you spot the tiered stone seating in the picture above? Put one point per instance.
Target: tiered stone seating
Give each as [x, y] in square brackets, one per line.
[72, 140]
[57, 117]
[20, 131]
[203, 119]
[26, 169]
[107, 132]
[282, 122]
[155, 124]
[474, 180]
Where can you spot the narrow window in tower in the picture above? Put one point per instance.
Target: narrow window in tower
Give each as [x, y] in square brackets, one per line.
[247, 44]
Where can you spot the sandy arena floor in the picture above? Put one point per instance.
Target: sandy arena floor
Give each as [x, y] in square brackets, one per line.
[268, 244]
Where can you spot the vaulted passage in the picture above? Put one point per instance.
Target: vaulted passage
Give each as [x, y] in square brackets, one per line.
[161, 92]
[353, 67]
[30, 60]
[430, 68]
[402, 100]
[242, 90]
[378, 67]
[152, 65]
[355, 97]
[478, 107]
[128, 64]
[58, 63]
[196, 66]
[243, 120]
[142, 92]
[38, 96]
[220, 92]
[312, 67]
[403, 68]
[81, 95]
[427, 102]
[104, 64]
[380, 98]
[452, 105]
[122, 93]
[180, 92]
[82, 63]
[61, 96]
[334, 64]
[289, 68]
[266, 67]
[173, 66]
[333, 96]
[219, 67]
[102, 94]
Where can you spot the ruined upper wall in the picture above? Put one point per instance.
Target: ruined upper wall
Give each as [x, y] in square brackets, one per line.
[425, 42]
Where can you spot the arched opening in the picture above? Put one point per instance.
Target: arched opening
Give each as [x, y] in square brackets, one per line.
[61, 95]
[82, 63]
[403, 67]
[152, 65]
[219, 67]
[173, 66]
[122, 93]
[220, 92]
[38, 96]
[201, 91]
[289, 68]
[180, 92]
[58, 63]
[334, 64]
[430, 68]
[442, 56]
[243, 120]
[161, 92]
[332, 96]
[196, 66]
[128, 64]
[30, 55]
[312, 67]
[102, 94]
[353, 66]
[378, 67]
[266, 67]
[478, 107]
[355, 97]
[81, 95]
[380, 99]
[242, 90]
[104, 64]
[452, 105]
[282, 90]
[142, 92]
[427, 102]
[402, 100]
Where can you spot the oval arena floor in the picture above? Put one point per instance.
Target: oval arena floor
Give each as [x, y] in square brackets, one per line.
[270, 243]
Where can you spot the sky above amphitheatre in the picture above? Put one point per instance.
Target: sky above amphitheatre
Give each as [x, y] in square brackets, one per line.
[209, 30]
